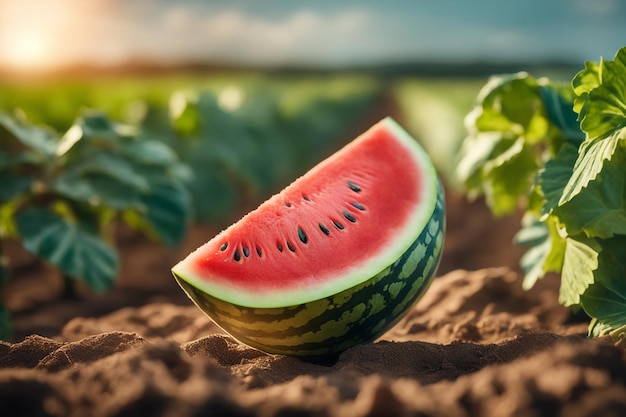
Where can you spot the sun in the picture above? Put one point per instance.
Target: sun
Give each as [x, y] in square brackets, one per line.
[25, 49]
[32, 31]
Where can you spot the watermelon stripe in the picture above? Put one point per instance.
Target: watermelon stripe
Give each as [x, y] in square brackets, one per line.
[332, 324]
[270, 316]
[371, 307]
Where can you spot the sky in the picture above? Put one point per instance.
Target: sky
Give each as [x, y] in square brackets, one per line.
[42, 34]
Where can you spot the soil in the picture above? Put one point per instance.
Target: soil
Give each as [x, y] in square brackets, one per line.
[476, 344]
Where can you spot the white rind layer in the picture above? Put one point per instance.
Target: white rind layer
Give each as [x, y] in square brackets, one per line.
[360, 273]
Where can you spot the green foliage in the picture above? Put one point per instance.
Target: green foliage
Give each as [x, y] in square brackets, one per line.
[241, 138]
[560, 152]
[61, 196]
[243, 144]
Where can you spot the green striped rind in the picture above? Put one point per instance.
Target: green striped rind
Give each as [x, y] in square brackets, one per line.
[414, 221]
[333, 324]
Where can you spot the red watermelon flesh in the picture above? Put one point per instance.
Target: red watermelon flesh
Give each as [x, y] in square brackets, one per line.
[335, 227]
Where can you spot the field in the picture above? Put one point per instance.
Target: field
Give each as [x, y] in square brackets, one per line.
[476, 344]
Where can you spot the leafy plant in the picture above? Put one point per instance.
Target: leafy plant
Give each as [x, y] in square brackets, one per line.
[244, 144]
[560, 152]
[62, 196]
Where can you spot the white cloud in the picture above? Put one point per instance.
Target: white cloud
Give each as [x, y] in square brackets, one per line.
[304, 35]
[598, 8]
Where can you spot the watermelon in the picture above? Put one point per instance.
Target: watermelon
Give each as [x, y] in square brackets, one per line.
[334, 259]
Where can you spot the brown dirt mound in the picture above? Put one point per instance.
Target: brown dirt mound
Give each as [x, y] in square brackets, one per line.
[475, 345]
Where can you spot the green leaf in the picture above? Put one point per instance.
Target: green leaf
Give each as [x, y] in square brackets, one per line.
[555, 176]
[535, 235]
[599, 210]
[168, 206]
[605, 299]
[501, 155]
[38, 139]
[508, 176]
[477, 150]
[95, 124]
[149, 152]
[104, 179]
[14, 185]
[92, 132]
[10, 160]
[561, 114]
[591, 157]
[184, 113]
[603, 108]
[585, 81]
[214, 196]
[546, 249]
[580, 261]
[75, 251]
[580, 228]
[98, 190]
[111, 165]
[509, 103]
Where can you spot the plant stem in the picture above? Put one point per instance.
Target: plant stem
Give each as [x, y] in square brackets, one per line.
[69, 288]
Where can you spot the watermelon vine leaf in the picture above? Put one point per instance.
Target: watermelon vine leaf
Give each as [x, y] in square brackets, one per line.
[503, 150]
[76, 251]
[599, 211]
[591, 157]
[553, 178]
[603, 108]
[584, 82]
[575, 221]
[580, 260]
[558, 104]
[166, 210]
[605, 299]
[241, 153]
[38, 142]
[61, 196]
[546, 248]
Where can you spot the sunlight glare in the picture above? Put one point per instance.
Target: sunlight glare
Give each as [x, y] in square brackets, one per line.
[26, 49]
[32, 33]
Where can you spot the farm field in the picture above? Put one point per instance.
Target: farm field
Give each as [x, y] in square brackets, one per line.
[476, 344]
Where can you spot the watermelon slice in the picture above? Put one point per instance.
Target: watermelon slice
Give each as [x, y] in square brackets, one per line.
[335, 258]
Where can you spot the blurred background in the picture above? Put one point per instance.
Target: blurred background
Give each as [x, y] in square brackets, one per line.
[306, 74]
[248, 95]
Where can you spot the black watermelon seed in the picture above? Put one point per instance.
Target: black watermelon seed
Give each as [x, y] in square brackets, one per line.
[288, 204]
[349, 216]
[302, 236]
[224, 246]
[338, 225]
[279, 247]
[324, 229]
[358, 206]
[306, 197]
[354, 187]
[290, 247]
[246, 252]
[237, 255]
[258, 252]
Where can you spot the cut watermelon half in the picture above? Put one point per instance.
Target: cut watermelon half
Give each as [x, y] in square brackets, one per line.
[372, 213]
